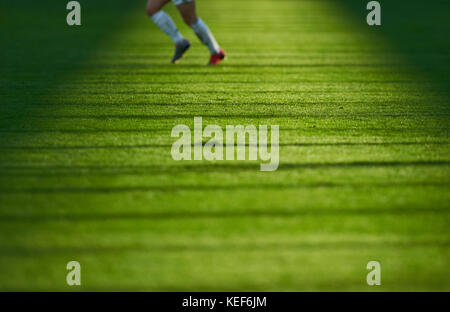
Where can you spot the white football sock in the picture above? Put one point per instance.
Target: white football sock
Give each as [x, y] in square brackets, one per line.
[204, 34]
[167, 25]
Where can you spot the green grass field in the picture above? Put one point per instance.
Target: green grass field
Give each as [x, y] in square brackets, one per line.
[86, 171]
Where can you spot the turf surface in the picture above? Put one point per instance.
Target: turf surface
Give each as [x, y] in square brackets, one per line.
[87, 175]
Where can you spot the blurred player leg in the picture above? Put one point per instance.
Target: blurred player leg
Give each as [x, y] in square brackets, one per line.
[167, 25]
[188, 12]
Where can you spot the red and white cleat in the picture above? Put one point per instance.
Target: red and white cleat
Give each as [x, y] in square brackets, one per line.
[217, 58]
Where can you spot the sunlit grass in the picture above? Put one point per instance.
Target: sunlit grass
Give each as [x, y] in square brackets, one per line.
[87, 173]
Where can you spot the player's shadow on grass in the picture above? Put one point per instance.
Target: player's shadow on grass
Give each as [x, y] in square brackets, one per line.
[144, 67]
